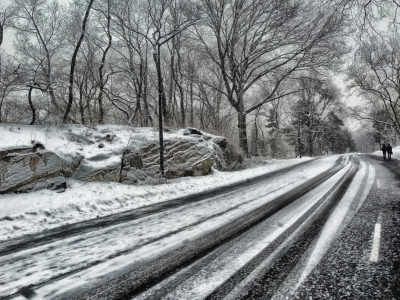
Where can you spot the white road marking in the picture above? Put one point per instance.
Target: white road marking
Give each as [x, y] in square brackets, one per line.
[377, 240]
[378, 183]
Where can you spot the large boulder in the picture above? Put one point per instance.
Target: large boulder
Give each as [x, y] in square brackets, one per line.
[186, 153]
[186, 157]
[21, 169]
[183, 157]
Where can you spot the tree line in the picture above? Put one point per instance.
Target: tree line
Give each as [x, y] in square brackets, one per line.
[257, 71]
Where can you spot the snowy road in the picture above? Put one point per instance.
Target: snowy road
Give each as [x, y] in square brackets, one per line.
[215, 246]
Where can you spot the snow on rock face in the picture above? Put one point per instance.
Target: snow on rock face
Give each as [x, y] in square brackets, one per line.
[103, 175]
[187, 158]
[130, 155]
[21, 169]
[183, 157]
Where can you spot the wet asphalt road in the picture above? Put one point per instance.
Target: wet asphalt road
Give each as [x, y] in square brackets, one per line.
[346, 271]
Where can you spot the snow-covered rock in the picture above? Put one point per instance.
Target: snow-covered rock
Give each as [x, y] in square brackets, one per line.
[21, 169]
[129, 155]
[183, 157]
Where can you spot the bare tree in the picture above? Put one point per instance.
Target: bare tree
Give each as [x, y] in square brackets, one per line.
[267, 41]
[365, 14]
[105, 12]
[376, 75]
[9, 81]
[6, 15]
[39, 25]
[73, 62]
[132, 27]
[167, 25]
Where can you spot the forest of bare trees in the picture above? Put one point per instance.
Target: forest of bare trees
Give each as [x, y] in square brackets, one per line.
[257, 71]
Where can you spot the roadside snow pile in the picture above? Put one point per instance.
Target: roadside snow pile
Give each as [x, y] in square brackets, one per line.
[27, 213]
[395, 155]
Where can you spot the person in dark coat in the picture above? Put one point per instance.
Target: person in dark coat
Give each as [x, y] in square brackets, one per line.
[389, 151]
[384, 149]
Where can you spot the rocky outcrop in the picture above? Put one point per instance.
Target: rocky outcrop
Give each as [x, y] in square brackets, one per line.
[14, 151]
[192, 153]
[183, 157]
[21, 169]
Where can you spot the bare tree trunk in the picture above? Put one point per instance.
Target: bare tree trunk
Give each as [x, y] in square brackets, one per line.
[1, 107]
[176, 72]
[243, 133]
[81, 107]
[1, 41]
[183, 111]
[299, 145]
[191, 104]
[31, 106]
[171, 91]
[73, 63]
[148, 120]
[1, 33]
[103, 61]
[310, 144]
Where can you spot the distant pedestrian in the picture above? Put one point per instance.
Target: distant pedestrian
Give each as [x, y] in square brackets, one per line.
[389, 151]
[384, 149]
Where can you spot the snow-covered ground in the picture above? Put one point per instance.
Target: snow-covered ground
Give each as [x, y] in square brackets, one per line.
[27, 213]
